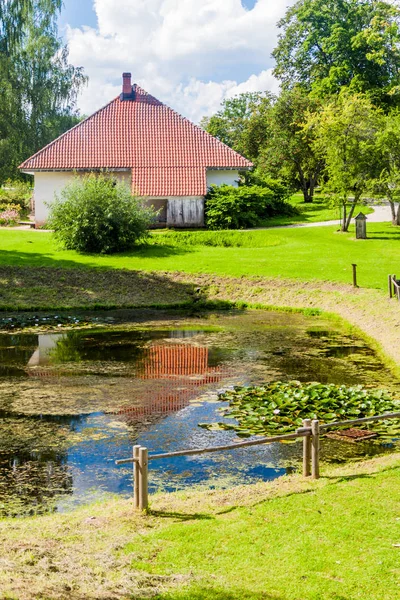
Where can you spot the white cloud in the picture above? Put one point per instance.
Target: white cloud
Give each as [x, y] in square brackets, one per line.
[191, 54]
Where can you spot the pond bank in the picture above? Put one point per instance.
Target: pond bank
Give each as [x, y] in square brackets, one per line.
[197, 545]
[44, 288]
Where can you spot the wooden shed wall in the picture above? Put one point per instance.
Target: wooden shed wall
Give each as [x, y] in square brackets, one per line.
[185, 212]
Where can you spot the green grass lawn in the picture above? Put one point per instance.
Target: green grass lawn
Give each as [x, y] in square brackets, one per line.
[319, 253]
[313, 212]
[291, 539]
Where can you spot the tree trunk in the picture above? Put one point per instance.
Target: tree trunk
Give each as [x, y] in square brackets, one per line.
[393, 211]
[398, 216]
[351, 211]
[344, 219]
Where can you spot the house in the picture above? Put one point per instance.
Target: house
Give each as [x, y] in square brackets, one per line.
[161, 155]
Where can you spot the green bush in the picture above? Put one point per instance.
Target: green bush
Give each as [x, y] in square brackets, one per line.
[96, 214]
[16, 193]
[229, 207]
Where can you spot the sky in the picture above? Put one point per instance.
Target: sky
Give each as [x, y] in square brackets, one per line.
[190, 54]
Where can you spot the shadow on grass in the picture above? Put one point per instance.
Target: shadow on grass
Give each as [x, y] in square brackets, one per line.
[339, 478]
[212, 593]
[383, 235]
[39, 259]
[181, 516]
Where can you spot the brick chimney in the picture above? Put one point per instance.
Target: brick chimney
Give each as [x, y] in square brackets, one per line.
[127, 90]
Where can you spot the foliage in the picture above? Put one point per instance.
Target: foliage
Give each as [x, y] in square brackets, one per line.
[9, 216]
[96, 214]
[386, 183]
[275, 134]
[280, 407]
[228, 207]
[325, 45]
[16, 193]
[345, 133]
[38, 87]
[229, 123]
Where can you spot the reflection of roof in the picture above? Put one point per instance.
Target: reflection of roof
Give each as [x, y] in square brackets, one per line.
[169, 360]
[179, 372]
[167, 153]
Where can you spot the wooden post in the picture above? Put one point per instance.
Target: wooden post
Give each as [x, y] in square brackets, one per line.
[136, 477]
[315, 449]
[306, 450]
[390, 286]
[143, 478]
[354, 275]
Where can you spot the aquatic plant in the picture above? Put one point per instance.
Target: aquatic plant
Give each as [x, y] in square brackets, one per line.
[280, 407]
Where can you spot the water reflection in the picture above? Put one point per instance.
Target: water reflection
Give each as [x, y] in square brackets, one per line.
[71, 403]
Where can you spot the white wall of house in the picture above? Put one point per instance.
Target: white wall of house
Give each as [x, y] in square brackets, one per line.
[218, 177]
[49, 183]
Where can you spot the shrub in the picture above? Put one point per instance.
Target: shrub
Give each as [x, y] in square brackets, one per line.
[228, 207]
[9, 216]
[17, 193]
[96, 214]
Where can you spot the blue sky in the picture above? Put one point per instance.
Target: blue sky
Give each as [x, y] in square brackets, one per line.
[191, 54]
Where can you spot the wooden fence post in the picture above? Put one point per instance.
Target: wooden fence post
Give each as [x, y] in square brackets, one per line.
[390, 286]
[143, 478]
[136, 476]
[315, 449]
[306, 450]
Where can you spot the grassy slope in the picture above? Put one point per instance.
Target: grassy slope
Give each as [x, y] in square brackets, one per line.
[290, 539]
[306, 253]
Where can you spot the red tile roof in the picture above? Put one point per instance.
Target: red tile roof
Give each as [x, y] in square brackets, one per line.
[167, 153]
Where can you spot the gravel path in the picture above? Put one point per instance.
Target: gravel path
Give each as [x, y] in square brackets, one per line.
[381, 214]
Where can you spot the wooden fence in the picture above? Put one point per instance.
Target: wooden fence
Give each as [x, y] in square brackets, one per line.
[310, 432]
[394, 287]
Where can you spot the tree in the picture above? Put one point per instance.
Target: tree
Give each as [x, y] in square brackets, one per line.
[328, 44]
[387, 183]
[229, 124]
[96, 214]
[276, 140]
[346, 135]
[38, 87]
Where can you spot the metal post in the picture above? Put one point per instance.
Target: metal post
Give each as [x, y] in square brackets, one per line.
[315, 449]
[143, 478]
[354, 275]
[136, 476]
[306, 450]
[390, 286]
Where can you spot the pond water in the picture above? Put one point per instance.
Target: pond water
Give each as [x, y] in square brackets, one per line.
[72, 402]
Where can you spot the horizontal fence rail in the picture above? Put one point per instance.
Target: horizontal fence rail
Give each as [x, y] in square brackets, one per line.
[310, 432]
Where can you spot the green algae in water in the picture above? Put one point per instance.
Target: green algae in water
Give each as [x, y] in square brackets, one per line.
[74, 401]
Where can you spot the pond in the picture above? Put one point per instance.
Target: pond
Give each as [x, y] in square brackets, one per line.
[72, 402]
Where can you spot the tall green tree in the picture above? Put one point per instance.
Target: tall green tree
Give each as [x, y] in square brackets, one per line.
[276, 140]
[38, 87]
[346, 131]
[387, 182]
[325, 45]
[230, 122]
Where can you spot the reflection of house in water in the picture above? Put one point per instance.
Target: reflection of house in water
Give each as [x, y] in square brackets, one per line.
[179, 373]
[42, 354]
